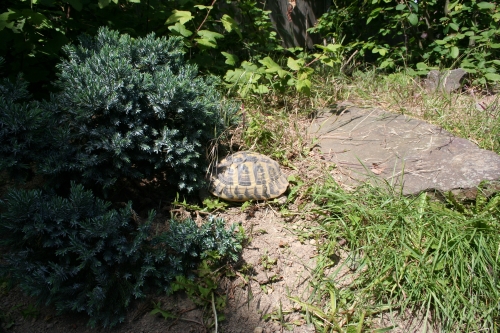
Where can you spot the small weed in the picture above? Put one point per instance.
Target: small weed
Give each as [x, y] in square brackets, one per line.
[260, 232]
[185, 204]
[203, 290]
[157, 309]
[278, 316]
[246, 205]
[214, 204]
[267, 262]
[30, 312]
[210, 204]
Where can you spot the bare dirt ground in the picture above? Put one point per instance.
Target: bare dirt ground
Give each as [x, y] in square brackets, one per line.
[280, 265]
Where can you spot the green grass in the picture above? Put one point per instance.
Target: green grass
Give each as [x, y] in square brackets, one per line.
[441, 261]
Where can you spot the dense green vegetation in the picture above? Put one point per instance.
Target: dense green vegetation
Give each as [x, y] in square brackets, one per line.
[79, 255]
[419, 34]
[127, 111]
[115, 94]
[439, 260]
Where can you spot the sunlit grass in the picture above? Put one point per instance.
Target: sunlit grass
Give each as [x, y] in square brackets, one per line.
[439, 260]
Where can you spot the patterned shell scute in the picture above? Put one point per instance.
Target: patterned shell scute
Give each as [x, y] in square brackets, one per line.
[247, 176]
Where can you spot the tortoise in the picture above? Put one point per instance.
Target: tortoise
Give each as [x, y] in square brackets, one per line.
[246, 176]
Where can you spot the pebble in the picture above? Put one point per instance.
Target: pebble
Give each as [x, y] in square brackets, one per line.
[312, 242]
[257, 330]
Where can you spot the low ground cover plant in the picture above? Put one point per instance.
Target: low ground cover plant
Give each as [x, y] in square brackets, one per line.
[82, 256]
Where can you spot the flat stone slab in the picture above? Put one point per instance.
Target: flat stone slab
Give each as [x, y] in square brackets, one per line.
[410, 154]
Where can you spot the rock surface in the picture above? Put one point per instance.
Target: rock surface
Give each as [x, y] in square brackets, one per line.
[409, 154]
[446, 81]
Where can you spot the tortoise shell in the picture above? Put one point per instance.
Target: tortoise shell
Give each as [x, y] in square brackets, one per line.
[247, 176]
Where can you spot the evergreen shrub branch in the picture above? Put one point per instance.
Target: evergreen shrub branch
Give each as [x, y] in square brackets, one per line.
[135, 109]
[23, 128]
[81, 256]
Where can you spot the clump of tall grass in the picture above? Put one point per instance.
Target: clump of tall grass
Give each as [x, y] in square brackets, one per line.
[438, 259]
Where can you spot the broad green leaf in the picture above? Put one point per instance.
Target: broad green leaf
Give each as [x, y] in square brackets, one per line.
[134, 1]
[272, 67]
[496, 62]
[469, 70]
[103, 3]
[269, 63]
[454, 52]
[486, 5]
[5, 15]
[330, 47]
[75, 4]
[329, 61]
[5, 24]
[203, 7]
[414, 6]
[261, 89]
[180, 30]
[306, 71]
[254, 77]
[37, 18]
[381, 51]
[208, 38]
[492, 77]
[422, 66]
[231, 59]
[387, 63]
[181, 16]
[210, 35]
[293, 64]
[495, 46]
[230, 24]
[452, 5]
[413, 18]
[206, 42]
[234, 76]
[454, 26]
[249, 66]
[440, 42]
[304, 86]
[401, 6]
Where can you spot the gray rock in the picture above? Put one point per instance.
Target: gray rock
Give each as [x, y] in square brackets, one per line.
[409, 154]
[447, 81]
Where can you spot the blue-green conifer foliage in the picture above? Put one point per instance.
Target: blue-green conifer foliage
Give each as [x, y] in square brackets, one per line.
[137, 110]
[23, 128]
[82, 256]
